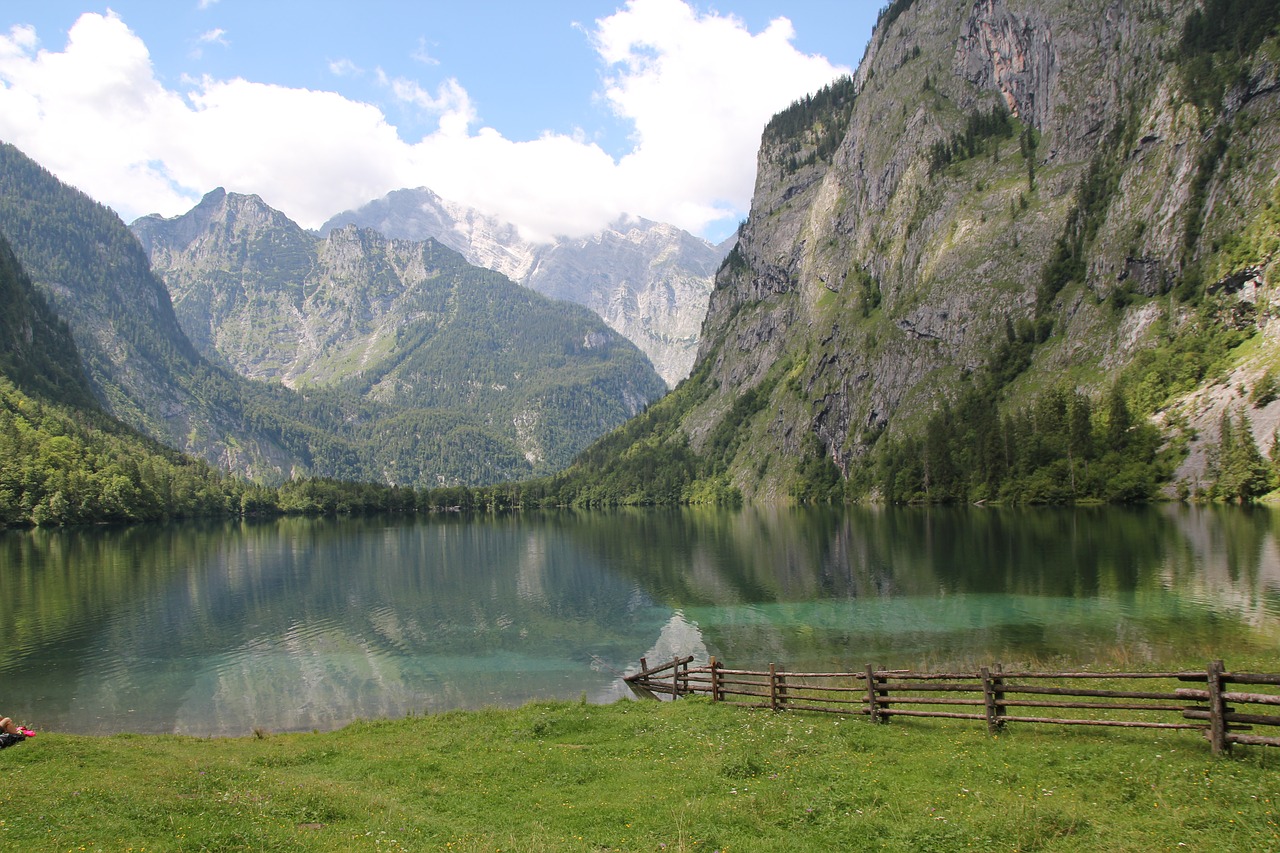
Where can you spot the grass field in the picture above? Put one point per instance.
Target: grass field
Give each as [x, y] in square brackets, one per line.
[682, 776]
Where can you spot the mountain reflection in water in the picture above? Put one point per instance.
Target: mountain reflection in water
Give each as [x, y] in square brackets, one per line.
[296, 624]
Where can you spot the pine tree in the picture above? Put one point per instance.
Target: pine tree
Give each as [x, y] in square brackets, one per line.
[1242, 473]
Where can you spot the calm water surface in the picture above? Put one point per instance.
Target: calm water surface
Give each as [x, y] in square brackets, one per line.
[214, 629]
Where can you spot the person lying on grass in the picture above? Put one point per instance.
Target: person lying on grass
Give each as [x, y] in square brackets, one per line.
[11, 732]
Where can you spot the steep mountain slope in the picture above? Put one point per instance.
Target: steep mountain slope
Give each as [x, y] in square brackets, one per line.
[37, 352]
[141, 367]
[1021, 229]
[649, 281]
[406, 325]
[62, 458]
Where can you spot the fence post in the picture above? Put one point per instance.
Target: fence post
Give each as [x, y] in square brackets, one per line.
[675, 677]
[773, 687]
[715, 680]
[882, 694]
[998, 681]
[991, 697]
[988, 700]
[1217, 710]
[873, 696]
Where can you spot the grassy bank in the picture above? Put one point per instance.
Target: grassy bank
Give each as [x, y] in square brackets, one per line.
[678, 776]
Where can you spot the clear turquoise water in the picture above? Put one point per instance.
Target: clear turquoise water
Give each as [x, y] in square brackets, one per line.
[215, 629]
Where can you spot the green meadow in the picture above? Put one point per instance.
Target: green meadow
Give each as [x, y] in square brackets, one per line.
[646, 776]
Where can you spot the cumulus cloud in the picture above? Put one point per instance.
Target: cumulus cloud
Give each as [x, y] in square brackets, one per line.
[696, 89]
[451, 103]
[699, 90]
[21, 38]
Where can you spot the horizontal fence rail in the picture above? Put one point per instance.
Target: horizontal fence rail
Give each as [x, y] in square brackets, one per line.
[1152, 700]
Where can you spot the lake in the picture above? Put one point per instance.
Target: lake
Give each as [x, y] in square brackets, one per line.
[300, 624]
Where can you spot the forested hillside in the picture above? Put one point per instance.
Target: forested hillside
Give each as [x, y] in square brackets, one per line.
[143, 369]
[62, 459]
[37, 352]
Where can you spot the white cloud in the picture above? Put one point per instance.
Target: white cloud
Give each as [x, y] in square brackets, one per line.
[699, 90]
[344, 68]
[22, 37]
[450, 103]
[214, 36]
[92, 113]
[696, 88]
[421, 54]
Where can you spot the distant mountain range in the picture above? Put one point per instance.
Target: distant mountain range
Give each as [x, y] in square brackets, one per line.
[411, 366]
[405, 325]
[649, 281]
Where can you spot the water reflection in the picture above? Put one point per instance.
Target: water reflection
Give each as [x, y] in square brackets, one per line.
[299, 624]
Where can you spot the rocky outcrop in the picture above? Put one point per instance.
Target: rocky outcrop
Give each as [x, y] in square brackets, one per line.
[647, 280]
[1009, 53]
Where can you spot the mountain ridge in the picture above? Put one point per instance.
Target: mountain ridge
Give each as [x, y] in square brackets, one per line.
[142, 368]
[37, 351]
[403, 325]
[647, 280]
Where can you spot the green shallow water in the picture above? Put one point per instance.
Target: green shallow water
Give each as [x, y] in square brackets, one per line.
[215, 629]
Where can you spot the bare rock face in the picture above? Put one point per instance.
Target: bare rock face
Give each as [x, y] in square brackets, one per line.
[869, 282]
[647, 280]
[1010, 53]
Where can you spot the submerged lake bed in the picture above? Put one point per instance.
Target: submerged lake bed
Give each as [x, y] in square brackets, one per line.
[298, 624]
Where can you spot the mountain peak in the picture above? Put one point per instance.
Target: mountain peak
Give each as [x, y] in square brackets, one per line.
[237, 212]
[648, 280]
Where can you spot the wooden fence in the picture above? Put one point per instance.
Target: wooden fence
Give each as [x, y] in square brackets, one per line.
[1153, 700]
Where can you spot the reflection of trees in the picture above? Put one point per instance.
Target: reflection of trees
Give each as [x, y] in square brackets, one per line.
[299, 616]
[1230, 555]
[1067, 552]
[907, 585]
[59, 585]
[767, 554]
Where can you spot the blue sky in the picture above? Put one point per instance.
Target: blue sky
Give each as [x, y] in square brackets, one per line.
[556, 116]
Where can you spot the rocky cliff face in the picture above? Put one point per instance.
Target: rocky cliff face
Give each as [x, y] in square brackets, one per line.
[867, 283]
[647, 280]
[221, 306]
